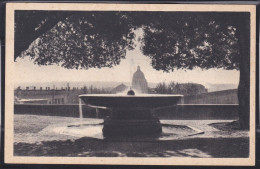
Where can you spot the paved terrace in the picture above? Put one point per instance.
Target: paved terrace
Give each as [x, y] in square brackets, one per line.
[36, 129]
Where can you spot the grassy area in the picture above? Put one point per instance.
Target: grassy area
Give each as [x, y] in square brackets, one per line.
[35, 123]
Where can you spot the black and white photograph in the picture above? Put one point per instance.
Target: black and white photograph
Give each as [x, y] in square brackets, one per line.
[130, 84]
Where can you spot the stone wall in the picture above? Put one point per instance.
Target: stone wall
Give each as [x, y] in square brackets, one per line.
[189, 112]
[218, 97]
[200, 112]
[71, 110]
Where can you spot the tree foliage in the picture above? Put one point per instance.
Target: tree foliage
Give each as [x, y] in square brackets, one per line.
[173, 40]
[191, 40]
[186, 89]
[29, 25]
[85, 40]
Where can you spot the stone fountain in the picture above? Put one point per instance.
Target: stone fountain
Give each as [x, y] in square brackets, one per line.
[130, 114]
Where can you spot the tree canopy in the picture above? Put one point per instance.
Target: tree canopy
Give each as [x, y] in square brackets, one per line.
[173, 40]
[84, 40]
[192, 40]
[30, 25]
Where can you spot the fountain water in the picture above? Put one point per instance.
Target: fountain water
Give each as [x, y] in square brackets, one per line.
[80, 112]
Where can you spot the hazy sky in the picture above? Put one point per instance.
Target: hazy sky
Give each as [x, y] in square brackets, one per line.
[27, 71]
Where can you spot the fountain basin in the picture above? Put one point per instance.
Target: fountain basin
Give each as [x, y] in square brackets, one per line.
[131, 115]
[125, 101]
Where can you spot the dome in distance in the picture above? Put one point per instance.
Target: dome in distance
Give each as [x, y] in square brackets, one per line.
[139, 82]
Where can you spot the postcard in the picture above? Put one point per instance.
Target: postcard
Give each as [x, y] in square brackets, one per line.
[131, 84]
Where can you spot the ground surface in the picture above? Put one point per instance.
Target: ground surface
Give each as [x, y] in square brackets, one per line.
[37, 136]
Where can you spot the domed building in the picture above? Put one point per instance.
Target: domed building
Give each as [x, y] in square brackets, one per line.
[139, 82]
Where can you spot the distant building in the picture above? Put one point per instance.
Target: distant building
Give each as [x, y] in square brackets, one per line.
[48, 96]
[33, 101]
[139, 82]
[32, 95]
[119, 89]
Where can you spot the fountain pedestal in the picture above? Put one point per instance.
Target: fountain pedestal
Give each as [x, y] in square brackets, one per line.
[131, 122]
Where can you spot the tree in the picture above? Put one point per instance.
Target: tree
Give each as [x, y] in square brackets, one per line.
[185, 89]
[161, 88]
[173, 40]
[84, 40]
[29, 25]
[208, 40]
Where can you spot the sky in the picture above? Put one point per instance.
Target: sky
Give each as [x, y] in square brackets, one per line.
[28, 72]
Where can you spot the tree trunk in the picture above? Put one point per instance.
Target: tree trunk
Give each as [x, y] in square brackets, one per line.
[244, 97]
[244, 82]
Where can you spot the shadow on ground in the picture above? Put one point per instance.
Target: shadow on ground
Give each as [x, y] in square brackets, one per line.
[194, 147]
